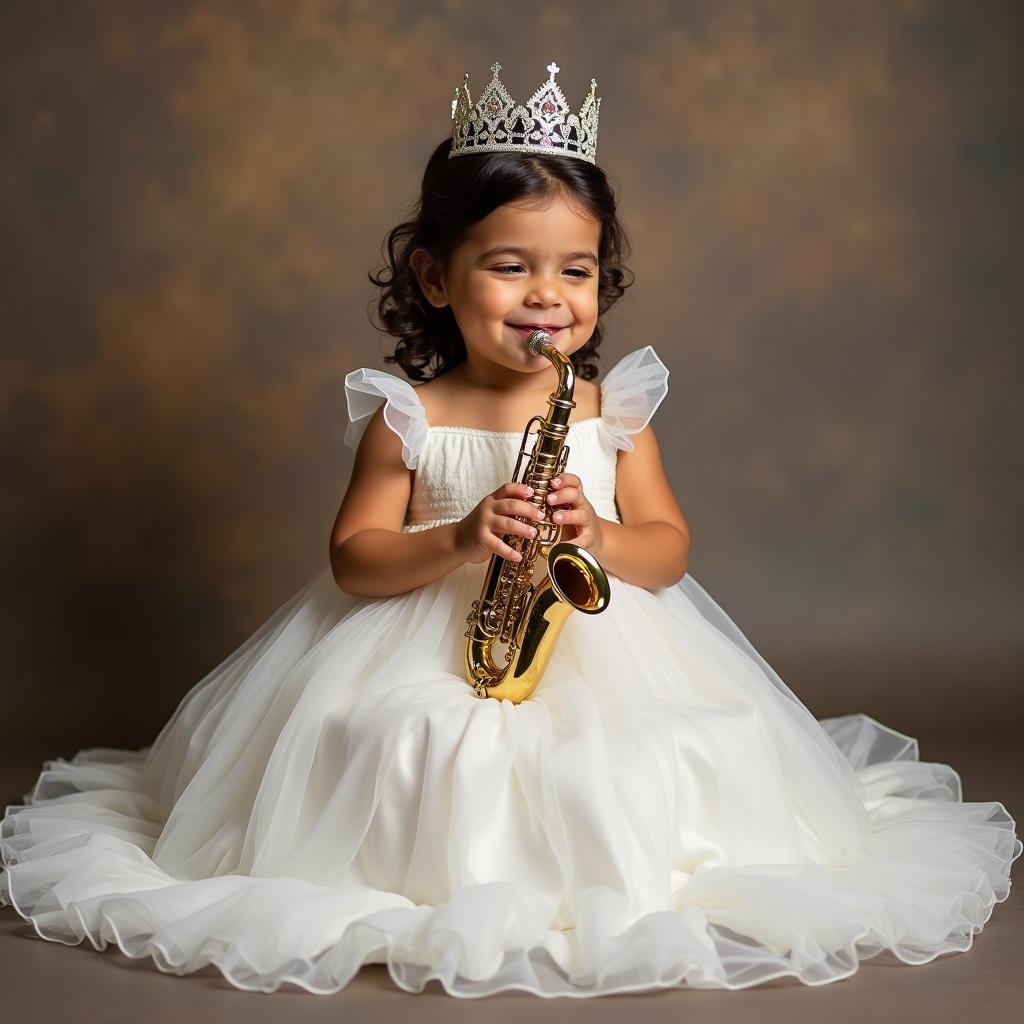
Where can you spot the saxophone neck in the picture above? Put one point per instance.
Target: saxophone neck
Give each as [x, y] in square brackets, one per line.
[560, 401]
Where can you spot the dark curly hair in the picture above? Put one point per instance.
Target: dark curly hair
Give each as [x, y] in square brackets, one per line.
[455, 195]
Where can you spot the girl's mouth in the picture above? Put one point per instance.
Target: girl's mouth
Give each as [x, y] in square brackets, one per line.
[527, 331]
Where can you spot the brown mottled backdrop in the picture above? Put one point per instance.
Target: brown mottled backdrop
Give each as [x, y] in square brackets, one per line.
[825, 201]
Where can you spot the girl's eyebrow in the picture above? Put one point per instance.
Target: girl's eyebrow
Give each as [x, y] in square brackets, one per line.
[579, 254]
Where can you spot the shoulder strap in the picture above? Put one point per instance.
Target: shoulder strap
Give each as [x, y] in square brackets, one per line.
[631, 392]
[365, 389]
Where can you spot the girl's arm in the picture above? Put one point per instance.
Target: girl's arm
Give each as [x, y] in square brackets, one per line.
[370, 556]
[651, 546]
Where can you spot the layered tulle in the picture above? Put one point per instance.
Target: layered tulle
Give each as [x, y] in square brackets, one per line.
[663, 811]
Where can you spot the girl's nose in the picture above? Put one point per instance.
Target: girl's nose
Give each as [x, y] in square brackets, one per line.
[544, 294]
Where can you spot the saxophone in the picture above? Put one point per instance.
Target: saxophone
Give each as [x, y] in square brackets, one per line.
[512, 610]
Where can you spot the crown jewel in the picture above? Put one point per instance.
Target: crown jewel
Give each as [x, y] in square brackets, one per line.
[544, 125]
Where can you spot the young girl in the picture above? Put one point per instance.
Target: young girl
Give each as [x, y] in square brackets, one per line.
[662, 811]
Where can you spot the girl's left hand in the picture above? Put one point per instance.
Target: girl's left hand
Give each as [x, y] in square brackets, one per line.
[572, 511]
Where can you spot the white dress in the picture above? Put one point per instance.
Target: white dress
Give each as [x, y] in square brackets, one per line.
[662, 811]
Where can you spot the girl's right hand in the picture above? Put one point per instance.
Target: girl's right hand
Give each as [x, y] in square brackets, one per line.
[478, 536]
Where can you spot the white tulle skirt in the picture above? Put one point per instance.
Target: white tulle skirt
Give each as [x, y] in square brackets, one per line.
[663, 811]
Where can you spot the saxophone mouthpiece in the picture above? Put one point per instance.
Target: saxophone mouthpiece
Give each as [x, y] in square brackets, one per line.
[536, 341]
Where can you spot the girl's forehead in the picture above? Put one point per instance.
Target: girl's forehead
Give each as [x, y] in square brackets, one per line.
[561, 222]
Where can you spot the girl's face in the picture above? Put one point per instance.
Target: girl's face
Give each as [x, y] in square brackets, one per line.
[519, 268]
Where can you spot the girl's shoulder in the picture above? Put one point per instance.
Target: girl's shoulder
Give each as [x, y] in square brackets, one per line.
[587, 395]
[433, 395]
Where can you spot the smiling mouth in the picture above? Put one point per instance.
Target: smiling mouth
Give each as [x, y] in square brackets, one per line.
[529, 328]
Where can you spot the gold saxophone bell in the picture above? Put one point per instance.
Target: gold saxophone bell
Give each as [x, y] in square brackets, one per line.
[511, 610]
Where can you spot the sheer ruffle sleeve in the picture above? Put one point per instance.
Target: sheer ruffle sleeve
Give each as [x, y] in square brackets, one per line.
[631, 391]
[365, 389]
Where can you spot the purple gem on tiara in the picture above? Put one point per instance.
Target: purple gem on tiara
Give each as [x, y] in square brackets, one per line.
[548, 107]
[493, 106]
[546, 141]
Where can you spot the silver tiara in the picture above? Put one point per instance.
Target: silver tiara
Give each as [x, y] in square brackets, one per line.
[544, 125]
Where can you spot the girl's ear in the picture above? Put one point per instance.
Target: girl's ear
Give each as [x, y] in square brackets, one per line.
[428, 274]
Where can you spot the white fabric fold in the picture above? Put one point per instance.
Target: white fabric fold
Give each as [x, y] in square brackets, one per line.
[365, 390]
[631, 392]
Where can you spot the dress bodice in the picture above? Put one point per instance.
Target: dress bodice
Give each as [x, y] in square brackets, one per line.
[458, 466]
[454, 467]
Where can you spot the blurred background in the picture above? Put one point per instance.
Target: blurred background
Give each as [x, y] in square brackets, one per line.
[825, 202]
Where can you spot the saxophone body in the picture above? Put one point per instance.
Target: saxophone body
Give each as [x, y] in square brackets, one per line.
[511, 610]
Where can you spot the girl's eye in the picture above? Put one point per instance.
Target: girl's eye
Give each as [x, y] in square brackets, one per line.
[575, 271]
